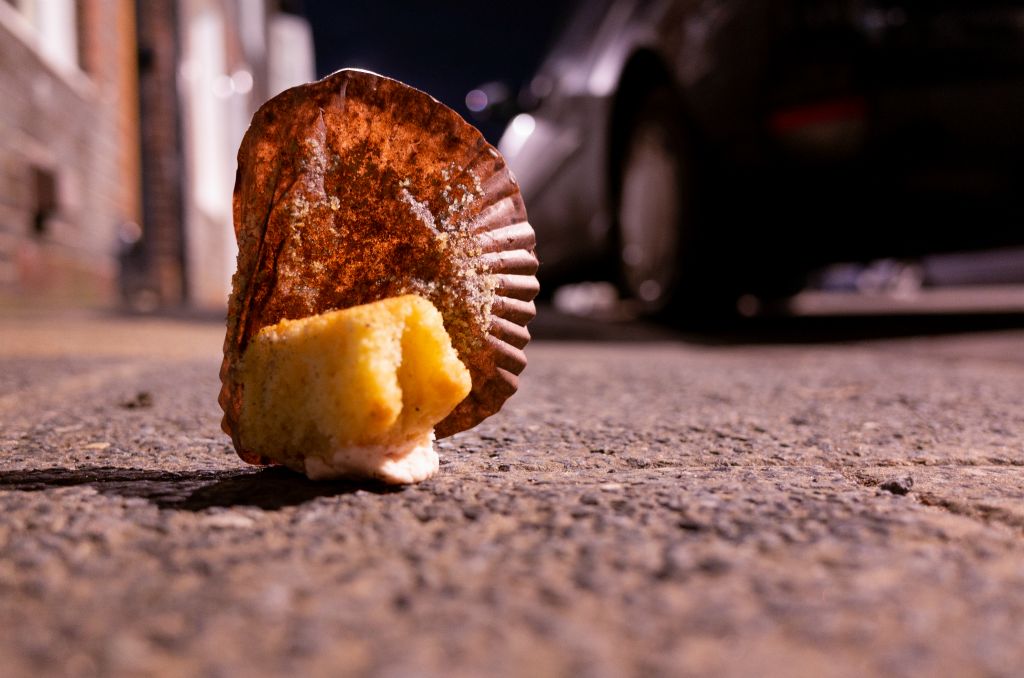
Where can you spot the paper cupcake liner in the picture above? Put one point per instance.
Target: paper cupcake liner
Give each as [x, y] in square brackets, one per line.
[356, 188]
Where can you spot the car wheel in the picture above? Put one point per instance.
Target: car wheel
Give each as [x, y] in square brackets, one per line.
[653, 206]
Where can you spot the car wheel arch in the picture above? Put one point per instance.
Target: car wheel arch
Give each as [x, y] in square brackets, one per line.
[644, 71]
[646, 77]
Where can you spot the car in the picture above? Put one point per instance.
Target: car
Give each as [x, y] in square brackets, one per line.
[697, 150]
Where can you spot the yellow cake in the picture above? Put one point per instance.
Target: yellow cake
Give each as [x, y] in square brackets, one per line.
[352, 393]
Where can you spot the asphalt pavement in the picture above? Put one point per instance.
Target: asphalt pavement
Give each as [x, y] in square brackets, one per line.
[806, 498]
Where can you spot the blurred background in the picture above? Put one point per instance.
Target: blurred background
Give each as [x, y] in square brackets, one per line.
[710, 157]
[119, 123]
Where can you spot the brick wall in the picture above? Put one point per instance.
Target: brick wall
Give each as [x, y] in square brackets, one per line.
[161, 150]
[69, 157]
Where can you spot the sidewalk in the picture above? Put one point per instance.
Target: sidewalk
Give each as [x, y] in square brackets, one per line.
[642, 507]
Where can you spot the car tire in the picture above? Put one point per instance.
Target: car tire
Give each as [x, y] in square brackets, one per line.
[654, 207]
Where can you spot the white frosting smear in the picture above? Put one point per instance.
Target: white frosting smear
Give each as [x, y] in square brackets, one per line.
[410, 462]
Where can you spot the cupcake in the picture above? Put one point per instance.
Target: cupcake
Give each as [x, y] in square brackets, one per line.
[357, 189]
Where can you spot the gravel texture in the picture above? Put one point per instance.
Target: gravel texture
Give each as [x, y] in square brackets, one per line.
[646, 505]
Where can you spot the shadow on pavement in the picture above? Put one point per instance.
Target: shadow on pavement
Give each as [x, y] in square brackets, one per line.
[840, 329]
[271, 489]
[267, 488]
[550, 325]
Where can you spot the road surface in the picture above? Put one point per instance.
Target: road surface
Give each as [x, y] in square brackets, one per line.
[811, 501]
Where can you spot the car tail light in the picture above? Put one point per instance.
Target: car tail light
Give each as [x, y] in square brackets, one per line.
[831, 130]
[819, 114]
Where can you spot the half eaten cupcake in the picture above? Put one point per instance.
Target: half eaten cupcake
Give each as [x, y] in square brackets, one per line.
[353, 393]
[385, 278]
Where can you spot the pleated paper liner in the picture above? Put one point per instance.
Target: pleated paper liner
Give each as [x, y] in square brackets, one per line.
[357, 188]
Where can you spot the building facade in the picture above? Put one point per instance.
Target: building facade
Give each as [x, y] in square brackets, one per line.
[69, 147]
[119, 123]
[234, 55]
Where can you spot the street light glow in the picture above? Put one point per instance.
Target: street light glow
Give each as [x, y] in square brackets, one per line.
[241, 81]
[476, 100]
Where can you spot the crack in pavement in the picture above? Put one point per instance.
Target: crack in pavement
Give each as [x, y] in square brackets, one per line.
[983, 513]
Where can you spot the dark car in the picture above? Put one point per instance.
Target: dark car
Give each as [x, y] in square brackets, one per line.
[698, 150]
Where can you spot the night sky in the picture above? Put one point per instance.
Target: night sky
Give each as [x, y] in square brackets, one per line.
[443, 48]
